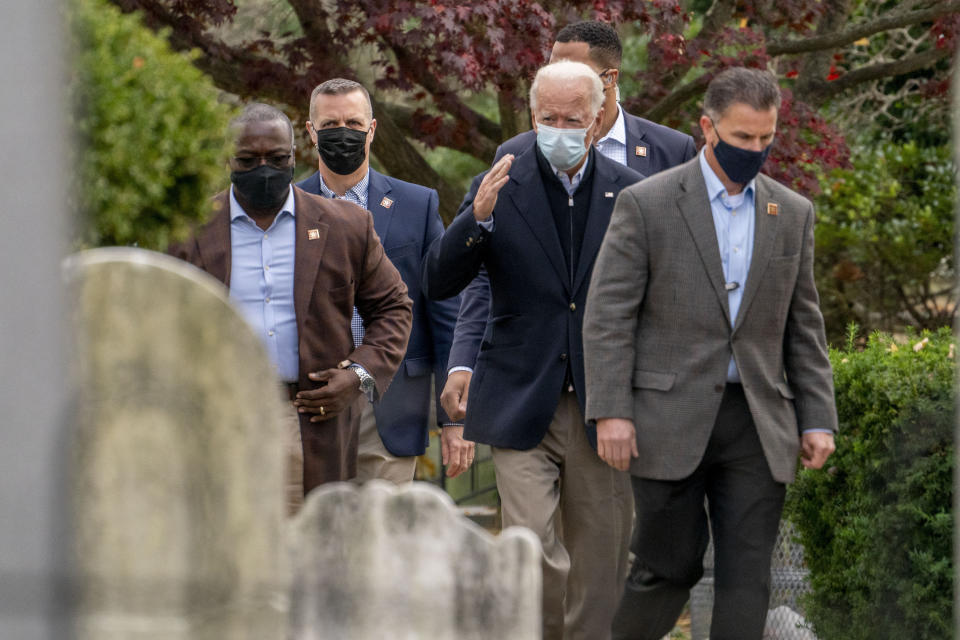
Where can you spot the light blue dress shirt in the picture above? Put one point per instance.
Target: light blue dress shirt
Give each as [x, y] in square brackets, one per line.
[358, 194]
[261, 282]
[733, 219]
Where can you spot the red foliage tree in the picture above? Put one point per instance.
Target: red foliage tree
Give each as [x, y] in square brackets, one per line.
[430, 55]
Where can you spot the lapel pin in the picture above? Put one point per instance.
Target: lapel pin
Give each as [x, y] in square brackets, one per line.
[608, 194]
[772, 208]
[641, 151]
[386, 203]
[313, 234]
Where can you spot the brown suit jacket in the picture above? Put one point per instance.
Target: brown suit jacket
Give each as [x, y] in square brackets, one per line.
[339, 264]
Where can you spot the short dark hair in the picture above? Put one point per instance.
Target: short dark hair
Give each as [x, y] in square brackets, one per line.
[603, 42]
[756, 88]
[260, 112]
[339, 87]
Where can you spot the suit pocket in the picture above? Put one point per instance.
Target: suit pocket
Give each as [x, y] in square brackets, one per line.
[658, 380]
[401, 250]
[416, 367]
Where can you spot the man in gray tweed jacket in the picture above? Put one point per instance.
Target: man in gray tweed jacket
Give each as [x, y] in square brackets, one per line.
[706, 364]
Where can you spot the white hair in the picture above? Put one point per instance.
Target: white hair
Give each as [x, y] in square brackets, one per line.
[568, 71]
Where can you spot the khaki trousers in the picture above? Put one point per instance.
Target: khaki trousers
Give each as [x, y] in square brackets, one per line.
[374, 461]
[581, 508]
[291, 428]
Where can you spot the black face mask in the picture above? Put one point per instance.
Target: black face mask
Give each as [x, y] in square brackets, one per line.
[264, 187]
[740, 165]
[342, 149]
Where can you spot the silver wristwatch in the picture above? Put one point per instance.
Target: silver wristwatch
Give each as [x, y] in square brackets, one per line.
[367, 383]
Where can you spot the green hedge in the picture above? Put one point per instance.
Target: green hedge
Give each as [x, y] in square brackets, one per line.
[150, 130]
[877, 526]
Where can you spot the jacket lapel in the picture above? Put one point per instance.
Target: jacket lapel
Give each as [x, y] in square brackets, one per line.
[606, 186]
[694, 205]
[308, 250]
[382, 204]
[529, 197]
[636, 146]
[214, 242]
[764, 233]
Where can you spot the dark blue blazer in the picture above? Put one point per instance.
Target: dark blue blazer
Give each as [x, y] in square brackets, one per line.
[651, 148]
[406, 219]
[536, 312]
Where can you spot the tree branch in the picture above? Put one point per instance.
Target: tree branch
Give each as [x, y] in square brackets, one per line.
[483, 147]
[818, 91]
[886, 22]
[677, 98]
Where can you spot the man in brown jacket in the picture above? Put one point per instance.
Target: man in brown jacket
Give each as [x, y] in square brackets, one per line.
[297, 265]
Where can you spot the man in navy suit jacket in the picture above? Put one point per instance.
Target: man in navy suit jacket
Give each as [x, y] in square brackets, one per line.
[642, 145]
[394, 429]
[536, 225]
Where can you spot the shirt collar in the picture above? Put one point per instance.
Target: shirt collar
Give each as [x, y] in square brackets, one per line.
[618, 131]
[359, 190]
[577, 177]
[714, 187]
[236, 211]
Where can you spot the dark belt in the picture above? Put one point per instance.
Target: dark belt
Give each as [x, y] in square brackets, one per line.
[292, 389]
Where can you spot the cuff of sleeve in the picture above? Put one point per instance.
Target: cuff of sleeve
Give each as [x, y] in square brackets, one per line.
[453, 424]
[817, 430]
[486, 225]
[454, 369]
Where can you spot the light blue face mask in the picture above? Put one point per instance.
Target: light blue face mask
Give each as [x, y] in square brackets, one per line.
[563, 148]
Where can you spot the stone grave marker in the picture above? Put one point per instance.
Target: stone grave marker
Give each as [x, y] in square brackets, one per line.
[176, 468]
[402, 563]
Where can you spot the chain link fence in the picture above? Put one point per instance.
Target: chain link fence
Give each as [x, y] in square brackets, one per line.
[788, 581]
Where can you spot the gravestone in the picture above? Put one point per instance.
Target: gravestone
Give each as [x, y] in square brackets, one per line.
[176, 468]
[402, 563]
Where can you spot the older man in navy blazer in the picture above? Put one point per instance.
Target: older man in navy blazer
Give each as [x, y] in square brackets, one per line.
[642, 145]
[394, 429]
[536, 225]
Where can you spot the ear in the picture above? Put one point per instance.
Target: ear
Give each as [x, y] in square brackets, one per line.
[706, 126]
[373, 130]
[610, 78]
[312, 132]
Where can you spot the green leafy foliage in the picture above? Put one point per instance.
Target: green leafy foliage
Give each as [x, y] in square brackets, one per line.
[150, 130]
[884, 238]
[877, 525]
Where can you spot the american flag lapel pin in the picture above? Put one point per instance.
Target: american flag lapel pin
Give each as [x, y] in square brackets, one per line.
[773, 208]
[386, 203]
[313, 234]
[641, 151]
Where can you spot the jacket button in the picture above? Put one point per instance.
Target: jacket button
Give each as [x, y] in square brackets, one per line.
[718, 388]
[573, 306]
[563, 356]
[469, 242]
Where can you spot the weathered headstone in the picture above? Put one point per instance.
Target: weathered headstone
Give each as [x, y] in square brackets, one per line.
[402, 563]
[177, 459]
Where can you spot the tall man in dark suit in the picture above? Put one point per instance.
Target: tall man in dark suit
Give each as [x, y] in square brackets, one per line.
[394, 430]
[535, 226]
[706, 364]
[296, 266]
[642, 145]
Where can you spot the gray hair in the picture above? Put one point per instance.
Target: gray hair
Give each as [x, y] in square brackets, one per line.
[567, 71]
[755, 88]
[339, 87]
[260, 112]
